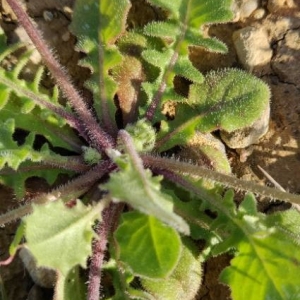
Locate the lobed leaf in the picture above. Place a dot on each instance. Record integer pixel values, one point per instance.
(97, 30)
(12, 154)
(197, 12)
(129, 76)
(181, 30)
(29, 106)
(150, 248)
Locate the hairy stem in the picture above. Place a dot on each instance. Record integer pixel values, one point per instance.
(75, 164)
(68, 163)
(45, 165)
(109, 219)
(99, 138)
(238, 184)
(71, 190)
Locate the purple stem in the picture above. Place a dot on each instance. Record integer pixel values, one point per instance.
(110, 217)
(100, 139)
(75, 164)
(187, 169)
(66, 192)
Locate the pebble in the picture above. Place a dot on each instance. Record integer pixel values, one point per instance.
(259, 13)
(242, 9)
(252, 47)
(248, 136)
(48, 15)
(276, 5)
(66, 36)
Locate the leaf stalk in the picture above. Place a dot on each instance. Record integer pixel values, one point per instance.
(238, 184)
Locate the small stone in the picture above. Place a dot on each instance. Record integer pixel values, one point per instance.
(259, 13)
(245, 137)
(48, 15)
(6, 12)
(20, 35)
(244, 153)
(242, 9)
(252, 47)
(66, 36)
(276, 5)
(248, 7)
(67, 10)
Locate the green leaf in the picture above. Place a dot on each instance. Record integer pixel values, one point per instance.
(4, 95)
(164, 29)
(61, 242)
(212, 44)
(137, 187)
(157, 58)
(288, 222)
(90, 155)
(42, 122)
(266, 267)
(198, 12)
(12, 154)
(143, 135)
(150, 248)
(185, 68)
(30, 105)
(185, 280)
(172, 6)
(98, 24)
(228, 99)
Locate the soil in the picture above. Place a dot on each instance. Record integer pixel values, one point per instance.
(277, 152)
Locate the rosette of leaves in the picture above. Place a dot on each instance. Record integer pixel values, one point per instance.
(122, 198)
